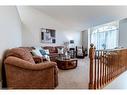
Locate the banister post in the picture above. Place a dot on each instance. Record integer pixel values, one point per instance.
(91, 57)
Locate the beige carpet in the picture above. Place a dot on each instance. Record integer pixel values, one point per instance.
(75, 78)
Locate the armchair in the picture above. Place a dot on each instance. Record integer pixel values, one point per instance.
(23, 73)
(80, 52)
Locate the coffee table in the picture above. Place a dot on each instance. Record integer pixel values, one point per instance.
(66, 64)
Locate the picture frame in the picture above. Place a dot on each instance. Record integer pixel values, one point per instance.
(48, 35)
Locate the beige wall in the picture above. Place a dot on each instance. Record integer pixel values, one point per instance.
(85, 38)
(10, 29)
(33, 20)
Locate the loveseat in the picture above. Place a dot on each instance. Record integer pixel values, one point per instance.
(53, 52)
(23, 73)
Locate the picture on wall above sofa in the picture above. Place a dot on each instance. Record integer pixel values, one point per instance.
(48, 35)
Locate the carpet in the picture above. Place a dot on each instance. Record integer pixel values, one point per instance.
(75, 78)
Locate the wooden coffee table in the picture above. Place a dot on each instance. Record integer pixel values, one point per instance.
(66, 64)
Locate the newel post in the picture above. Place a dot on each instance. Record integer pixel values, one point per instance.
(91, 57)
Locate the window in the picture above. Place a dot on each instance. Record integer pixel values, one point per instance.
(105, 36)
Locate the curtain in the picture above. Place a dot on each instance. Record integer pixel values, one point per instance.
(105, 39)
(111, 39)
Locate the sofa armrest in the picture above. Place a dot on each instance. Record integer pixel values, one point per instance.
(27, 65)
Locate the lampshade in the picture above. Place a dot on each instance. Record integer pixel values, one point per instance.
(71, 41)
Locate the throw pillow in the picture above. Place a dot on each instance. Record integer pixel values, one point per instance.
(43, 52)
(47, 51)
(36, 52)
(47, 57)
(79, 52)
(60, 50)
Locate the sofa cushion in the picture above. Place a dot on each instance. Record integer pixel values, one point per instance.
(20, 53)
(54, 54)
(79, 52)
(38, 59)
(53, 50)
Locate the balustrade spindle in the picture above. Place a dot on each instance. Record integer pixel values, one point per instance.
(110, 68)
(103, 69)
(95, 81)
(98, 67)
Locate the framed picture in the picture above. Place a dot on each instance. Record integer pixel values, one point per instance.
(48, 35)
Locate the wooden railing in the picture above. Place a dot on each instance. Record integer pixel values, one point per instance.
(105, 65)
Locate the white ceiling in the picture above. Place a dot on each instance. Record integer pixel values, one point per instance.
(83, 17)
